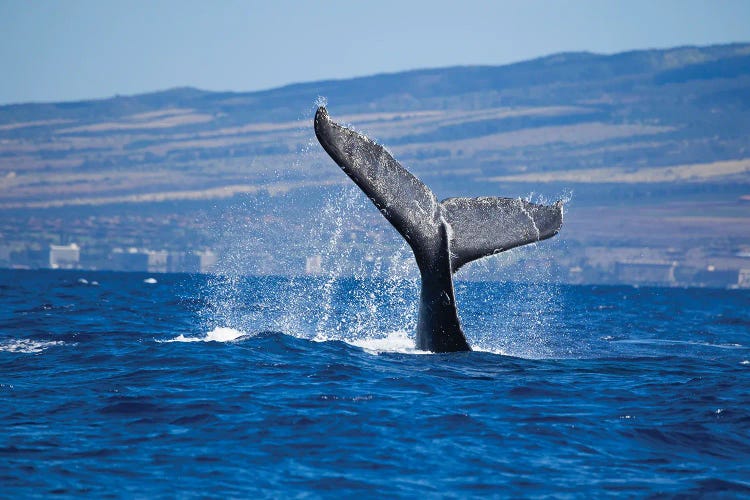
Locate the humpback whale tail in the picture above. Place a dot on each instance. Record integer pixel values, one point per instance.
(444, 235)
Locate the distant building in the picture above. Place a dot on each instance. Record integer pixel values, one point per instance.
(64, 256)
(157, 261)
(314, 264)
(153, 261)
(646, 273)
(207, 261)
(743, 279)
(183, 262)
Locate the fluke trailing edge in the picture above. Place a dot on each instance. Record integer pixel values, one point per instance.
(444, 235)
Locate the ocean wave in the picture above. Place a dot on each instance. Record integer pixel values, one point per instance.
(400, 342)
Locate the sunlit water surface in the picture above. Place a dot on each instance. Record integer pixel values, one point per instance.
(194, 386)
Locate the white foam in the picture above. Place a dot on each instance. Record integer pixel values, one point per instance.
(398, 341)
(219, 334)
(150, 281)
(395, 342)
(493, 350)
(26, 346)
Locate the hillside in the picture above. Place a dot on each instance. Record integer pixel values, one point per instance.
(664, 130)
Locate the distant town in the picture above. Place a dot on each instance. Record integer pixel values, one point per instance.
(136, 259)
(364, 247)
(650, 149)
(638, 271)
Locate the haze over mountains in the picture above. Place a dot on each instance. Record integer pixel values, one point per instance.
(653, 145)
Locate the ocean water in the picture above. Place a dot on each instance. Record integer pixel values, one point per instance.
(131, 385)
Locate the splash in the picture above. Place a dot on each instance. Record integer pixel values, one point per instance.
(402, 342)
(362, 280)
(332, 213)
(517, 316)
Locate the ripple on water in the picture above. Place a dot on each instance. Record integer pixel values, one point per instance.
(28, 346)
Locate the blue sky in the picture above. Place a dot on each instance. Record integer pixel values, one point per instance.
(76, 49)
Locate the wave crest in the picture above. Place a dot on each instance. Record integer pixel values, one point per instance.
(219, 334)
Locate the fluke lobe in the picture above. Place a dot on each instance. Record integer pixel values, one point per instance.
(444, 235)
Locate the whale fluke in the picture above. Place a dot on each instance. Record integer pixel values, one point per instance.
(486, 226)
(443, 235)
(404, 200)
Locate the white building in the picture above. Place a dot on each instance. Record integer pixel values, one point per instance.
(64, 256)
(157, 261)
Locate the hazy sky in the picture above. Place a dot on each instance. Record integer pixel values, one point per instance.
(75, 49)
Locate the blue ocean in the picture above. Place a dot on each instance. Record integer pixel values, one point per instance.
(138, 385)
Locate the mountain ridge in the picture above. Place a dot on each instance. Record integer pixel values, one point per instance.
(623, 62)
(654, 143)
